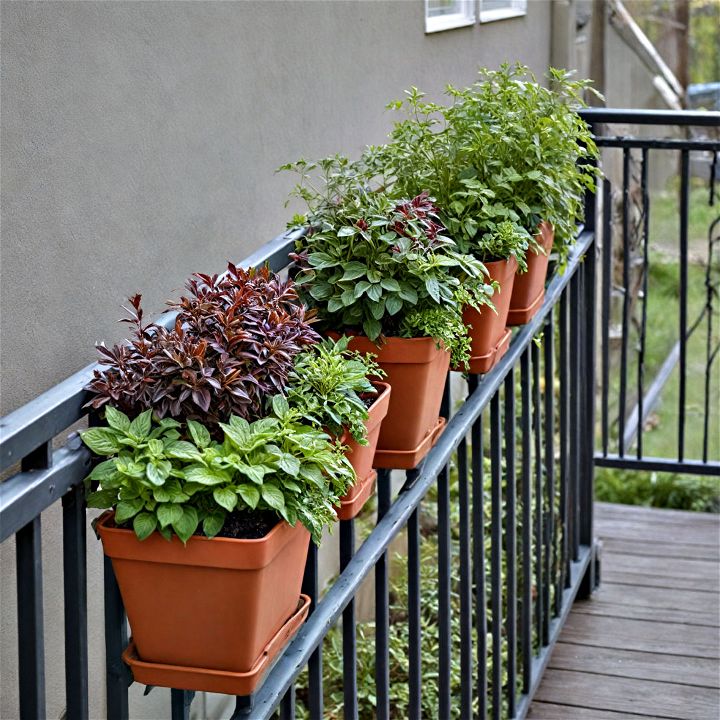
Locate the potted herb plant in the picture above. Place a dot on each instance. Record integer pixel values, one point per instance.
(216, 484)
(382, 269)
(329, 387)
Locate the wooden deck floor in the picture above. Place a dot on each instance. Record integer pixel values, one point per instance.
(647, 644)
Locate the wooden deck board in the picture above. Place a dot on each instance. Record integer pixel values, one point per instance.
(647, 644)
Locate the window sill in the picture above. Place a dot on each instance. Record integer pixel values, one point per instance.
(501, 14)
(448, 22)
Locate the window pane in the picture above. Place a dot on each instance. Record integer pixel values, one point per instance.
(438, 8)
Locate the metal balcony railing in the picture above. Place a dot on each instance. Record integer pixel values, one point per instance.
(509, 486)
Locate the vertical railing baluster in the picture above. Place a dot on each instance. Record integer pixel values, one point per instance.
(287, 705)
(496, 532)
(539, 509)
(382, 611)
(116, 640)
(75, 605)
(31, 642)
(607, 282)
(626, 302)
(510, 540)
(684, 212)
(311, 588)
(414, 627)
(478, 551)
(526, 482)
(576, 410)
(549, 420)
(466, 664)
(180, 701)
(643, 319)
(565, 373)
(347, 550)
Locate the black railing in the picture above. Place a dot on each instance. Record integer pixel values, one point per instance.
(500, 510)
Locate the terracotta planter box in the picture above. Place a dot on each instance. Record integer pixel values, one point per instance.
(488, 335)
(529, 289)
(415, 370)
(213, 603)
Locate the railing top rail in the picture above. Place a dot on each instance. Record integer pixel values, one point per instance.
(685, 118)
(47, 415)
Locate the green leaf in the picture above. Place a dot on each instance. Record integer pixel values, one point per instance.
(128, 508)
(348, 296)
(280, 405)
(346, 231)
(225, 498)
(250, 495)
(273, 496)
(102, 499)
(158, 472)
(168, 513)
(116, 419)
(375, 292)
(372, 328)
(353, 270)
(320, 260)
(187, 524)
(106, 470)
(206, 476)
(360, 288)
(144, 525)
(390, 284)
(407, 293)
(321, 291)
(141, 425)
(334, 304)
(199, 433)
(313, 474)
(290, 464)
(393, 304)
(156, 447)
(213, 522)
(431, 285)
(254, 472)
(102, 441)
(182, 450)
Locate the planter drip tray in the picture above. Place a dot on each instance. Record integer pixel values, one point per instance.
(519, 316)
(350, 508)
(481, 364)
(408, 459)
(217, 681)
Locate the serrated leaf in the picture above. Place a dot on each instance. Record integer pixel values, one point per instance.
(199, 433)
(144, 525)
(273, 496)
(141, 425)
(226, 498)
(182, 450)
(158, 472)
(116, 419)
(128, 508)
(290, 464)
(250, 495)
(187, 524)
(168, 513)
(206, 476)
(102, 441)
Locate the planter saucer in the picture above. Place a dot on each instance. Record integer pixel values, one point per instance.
(408, 459)
(217, 681)
(519, 316)
(351, 508)
(481, 364)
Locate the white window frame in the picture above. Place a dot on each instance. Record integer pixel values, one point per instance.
(516, 8)
(467, 16)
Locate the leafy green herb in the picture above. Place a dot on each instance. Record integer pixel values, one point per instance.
(161, 482)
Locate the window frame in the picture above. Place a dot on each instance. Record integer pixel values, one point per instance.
(517, 8)
(439, 23)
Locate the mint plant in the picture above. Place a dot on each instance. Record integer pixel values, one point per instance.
(327, 385)
(160, 481)
(379, 263)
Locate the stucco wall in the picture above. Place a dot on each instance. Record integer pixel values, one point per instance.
(139, 142)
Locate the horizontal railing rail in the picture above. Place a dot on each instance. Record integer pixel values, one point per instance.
(506, 491)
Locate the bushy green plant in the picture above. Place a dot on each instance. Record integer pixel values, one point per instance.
(163, 482)
(504, 149)
(370, 261)
(326, 384)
